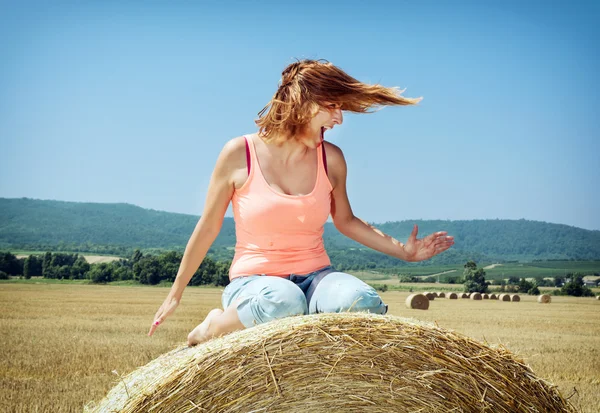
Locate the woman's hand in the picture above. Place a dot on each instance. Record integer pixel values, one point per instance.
(425, 248)
(166, 309)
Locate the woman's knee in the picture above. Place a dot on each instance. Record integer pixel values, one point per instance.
(276, 298)
(339, 292)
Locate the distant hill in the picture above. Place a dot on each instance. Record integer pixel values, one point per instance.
(39, 224)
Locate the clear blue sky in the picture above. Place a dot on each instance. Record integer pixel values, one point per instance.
(112, 101)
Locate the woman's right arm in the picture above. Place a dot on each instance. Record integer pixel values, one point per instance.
(220, 190)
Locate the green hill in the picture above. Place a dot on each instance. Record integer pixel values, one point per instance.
(119, 228)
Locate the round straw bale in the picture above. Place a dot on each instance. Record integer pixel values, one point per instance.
(598, 297)
(452, 296)
(430, 296)
(485, 296)
(475, 296)
(464, 295)
(493, 297)
(441, 295)
(515, 297)
(544, 299)
(417, 302)
(504, 297)
(347, 362)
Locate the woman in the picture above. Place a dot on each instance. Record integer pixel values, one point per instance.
(284, 181)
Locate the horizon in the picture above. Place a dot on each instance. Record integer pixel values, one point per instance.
(329, 221)
(132, 102)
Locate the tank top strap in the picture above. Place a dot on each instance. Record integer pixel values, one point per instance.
(323, 159)
(251, 158)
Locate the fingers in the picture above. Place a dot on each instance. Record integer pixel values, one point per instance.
(413, 234)
(155, 325)
(443, 243)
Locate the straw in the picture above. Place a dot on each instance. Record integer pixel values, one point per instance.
(347, 362)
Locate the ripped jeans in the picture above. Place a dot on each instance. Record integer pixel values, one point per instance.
(264, 298)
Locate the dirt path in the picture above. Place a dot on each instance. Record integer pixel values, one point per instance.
(489, 267)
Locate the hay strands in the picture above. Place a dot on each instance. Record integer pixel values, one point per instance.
(371, 363)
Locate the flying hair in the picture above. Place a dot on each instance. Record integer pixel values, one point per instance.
(307, 86)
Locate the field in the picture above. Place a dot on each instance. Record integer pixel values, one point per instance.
(61, 343)
(91, 259)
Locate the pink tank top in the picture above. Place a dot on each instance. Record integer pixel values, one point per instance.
(279, 234)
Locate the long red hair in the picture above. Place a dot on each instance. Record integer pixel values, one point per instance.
(307, 85)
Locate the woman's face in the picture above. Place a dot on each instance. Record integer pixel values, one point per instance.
(329, 115)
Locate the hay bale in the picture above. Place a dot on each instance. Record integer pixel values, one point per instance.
(515, 298)
(452, 296)
(430, 296)
(348, 362)
(493, 297)
(485, 296)
(475, 296)
(441, 295)
(544, 299)
(464, 295)
(417, 302)
(598, 297)
(504, 297)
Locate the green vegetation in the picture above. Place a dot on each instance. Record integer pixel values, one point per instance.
(575, 287)
(474, 278)
(138, 268)
(119, 229)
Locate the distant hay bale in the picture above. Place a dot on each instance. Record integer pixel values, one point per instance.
(441, 295)
(475, 296)
(348, 362)
(464, 295)
(417, 302)
(485, 296)
(515, 298)
(430, 296)
(598, 297)
(493, 297)
(544, 299)
(452, 296)
(504, 297)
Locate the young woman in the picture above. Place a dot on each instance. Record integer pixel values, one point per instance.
(283, 182)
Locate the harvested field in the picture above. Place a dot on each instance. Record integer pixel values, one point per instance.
(89, 331)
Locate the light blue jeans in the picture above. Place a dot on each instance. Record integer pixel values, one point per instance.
(264, 298)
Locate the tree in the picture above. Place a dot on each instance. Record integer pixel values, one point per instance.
(100, 273)
(32, 266)
(576, 287)
(527, 287)
(474, 278)
(221, 278)
(10, 264)
(147, 270)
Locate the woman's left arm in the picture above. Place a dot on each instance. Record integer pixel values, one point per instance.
(360, 231)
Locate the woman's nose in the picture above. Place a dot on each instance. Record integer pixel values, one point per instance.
(338, 117)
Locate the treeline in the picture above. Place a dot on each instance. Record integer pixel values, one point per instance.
(573, 284)
(145, 269)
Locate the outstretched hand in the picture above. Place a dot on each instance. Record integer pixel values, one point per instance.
(425, 248)
(166, 309)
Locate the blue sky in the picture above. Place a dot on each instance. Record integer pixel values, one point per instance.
(132, 101)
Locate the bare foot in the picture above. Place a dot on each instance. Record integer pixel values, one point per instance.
(200, 333)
